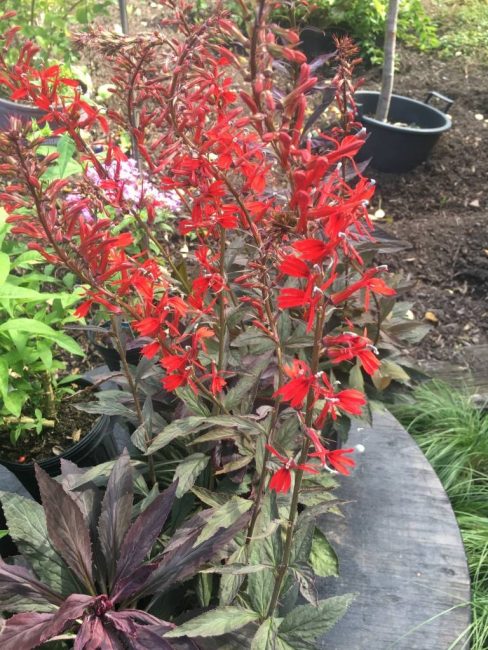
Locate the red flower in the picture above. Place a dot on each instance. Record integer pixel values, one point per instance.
(348, 346)
(371, 284)
(281, 479)
(296, 390)
(340, 461)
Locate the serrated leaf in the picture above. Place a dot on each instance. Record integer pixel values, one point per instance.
(214, 623)
(306, 623)
(142, 535)
(115, 517)
(224, 517)
(21, 591)
(255, 339)
(323, 558)
(66, 527)
(260, 585)
(265, 637)
(188, 470)
(191, 401)
(211, 498)
(242, 395)
(302, 541)
(27, 527)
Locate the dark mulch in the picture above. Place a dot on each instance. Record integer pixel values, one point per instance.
(441, 208)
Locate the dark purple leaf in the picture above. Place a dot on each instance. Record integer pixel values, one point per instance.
(147, 635)
(116, 512)
(66, 527)
(320, 60)
(87, 498)
(93, 636)
(143, 534)
(327, 98)
(24, 631)
(132, 583)
(18, 583)
(186, 559)
(150, 638)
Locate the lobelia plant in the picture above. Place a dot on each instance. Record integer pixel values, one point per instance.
(250, 320)
(88, 561)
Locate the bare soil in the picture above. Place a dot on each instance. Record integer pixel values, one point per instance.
(441, 208)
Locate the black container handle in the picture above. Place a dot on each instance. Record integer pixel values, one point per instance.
(442, 98)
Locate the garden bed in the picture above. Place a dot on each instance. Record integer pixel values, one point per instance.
(441, 208)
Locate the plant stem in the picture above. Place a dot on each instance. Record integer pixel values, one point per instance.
(49, 397)
(285, 560)
(120, 347)
(27, 420)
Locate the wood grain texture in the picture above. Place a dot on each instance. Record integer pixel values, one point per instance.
(399, 549)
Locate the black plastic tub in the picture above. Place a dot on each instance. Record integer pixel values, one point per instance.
(97, 446)
(395, 148)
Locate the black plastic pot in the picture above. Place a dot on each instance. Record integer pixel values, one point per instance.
(399, 149)
(97, 446)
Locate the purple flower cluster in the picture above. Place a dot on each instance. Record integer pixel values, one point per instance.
(128, 180)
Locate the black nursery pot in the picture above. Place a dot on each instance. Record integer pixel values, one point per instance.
(398, 149)
(97, 446)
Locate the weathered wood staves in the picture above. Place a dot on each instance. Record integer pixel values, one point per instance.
(399, 549)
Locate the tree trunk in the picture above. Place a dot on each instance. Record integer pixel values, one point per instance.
(389, 62)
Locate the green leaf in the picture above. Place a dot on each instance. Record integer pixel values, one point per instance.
(196, 406)
(224, 517)
(69, 344)
(305, 624)
(323, 558)
(14, 401)
(29, 325)
(265, 637)
(27, 526)
(356, 379)
(215, 622)
(204, 588)
(255, 339)
(302, 541)
(242, 395)
(3, 377)
(10, 291)
(177, 429)
(260, 585)
(4, 267)
(188, 471)
(211, 498)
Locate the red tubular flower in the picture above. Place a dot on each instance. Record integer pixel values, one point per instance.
(296, 390)
(340, 461)
(368, 282)
(281, 479)
(348, 346)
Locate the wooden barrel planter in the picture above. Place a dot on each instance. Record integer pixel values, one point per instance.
(399, 550)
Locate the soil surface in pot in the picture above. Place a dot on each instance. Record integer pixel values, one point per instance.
(441, 208)
(71, 426)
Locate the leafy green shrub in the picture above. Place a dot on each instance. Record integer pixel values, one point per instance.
(48, 23)
(365, 22)
(34, 306)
